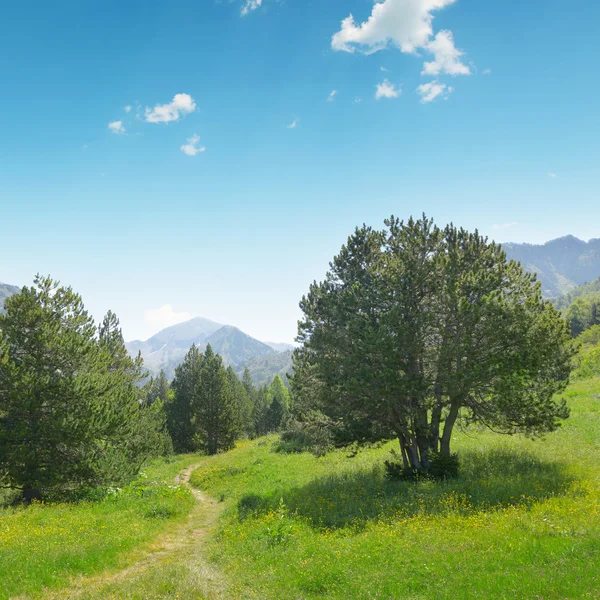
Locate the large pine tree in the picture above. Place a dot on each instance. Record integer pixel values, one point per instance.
(214, 406)
(69, 398)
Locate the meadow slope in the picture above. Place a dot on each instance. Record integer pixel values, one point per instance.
(522, 520)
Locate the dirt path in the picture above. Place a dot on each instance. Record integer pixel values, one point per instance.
(172, 566)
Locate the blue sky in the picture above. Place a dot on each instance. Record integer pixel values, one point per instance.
(203, 199)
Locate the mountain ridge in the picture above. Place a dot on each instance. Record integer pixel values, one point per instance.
(166, 349)
(561, 264)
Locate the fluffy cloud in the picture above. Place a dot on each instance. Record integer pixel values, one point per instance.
(165, 316)
(385, 89)
(430, 91)
(192, 148)
(406, 24)
(293, 124)
(127, 108)
(487, 72)
(181, 104)
(116, 127)
(250, 5)
(446, 57)
(332, 96)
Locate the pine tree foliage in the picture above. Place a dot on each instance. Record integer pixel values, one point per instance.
(179, 410)
(416, 327)
(70, 412)
(214, 406)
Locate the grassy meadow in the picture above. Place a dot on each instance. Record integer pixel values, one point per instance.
(43, 546)
(522, 520)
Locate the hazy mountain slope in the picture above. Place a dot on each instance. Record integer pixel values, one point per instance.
(561, 265)
(6, 291)
(588, 289)
(235, 346)
(264, 368)
(280, 347)
(167, 349)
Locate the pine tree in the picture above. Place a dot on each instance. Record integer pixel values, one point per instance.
(214, 406)
(179, 406)
(278, 400)
(243, 403)
(69, 398)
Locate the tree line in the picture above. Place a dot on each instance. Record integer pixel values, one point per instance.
(414, 330)
(76, 410)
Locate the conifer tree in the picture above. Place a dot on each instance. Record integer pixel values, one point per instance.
(69, 397)
(180, 413)
(243, 403)
(214, 406)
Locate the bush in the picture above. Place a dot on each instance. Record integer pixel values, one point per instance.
(443, 466)
(312, 435)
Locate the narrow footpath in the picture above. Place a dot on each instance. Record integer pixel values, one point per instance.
(173, 566)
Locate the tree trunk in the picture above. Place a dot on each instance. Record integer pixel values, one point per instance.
(30, 494)
(448, 427)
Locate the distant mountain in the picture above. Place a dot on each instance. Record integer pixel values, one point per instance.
(264, 368)
(167, 349)
(561, 265)
(280, 347)
(5, 292)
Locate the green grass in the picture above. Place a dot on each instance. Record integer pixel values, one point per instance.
(43, 546)
(522, 520)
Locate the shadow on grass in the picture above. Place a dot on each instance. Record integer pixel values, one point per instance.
(488, 481)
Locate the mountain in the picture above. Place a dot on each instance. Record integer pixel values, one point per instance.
(561, 265)
(167, 349)
(264, 368)
(281, 347)
(6, 291)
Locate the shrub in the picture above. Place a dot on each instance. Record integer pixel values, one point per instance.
(312, 435)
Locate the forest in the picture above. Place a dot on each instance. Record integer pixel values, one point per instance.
(436, 395)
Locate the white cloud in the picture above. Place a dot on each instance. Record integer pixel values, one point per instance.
(116, 127)
(446, 56)
(250, 6)
(293, 124)
(407, 25)
(165, 316)
(506, 225)
(332, 96)
(385, 89)
(552, 175)
(192, 148)
(383, 69)
(487, 72)
(357, 100)
(127, 108)
(181, 104)
(430, 91)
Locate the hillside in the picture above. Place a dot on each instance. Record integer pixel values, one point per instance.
(561, 264)
(6, 291)
(264, 368)
(168, 347)
(588, 289)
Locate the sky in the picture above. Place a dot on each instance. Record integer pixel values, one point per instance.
(204, 158)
